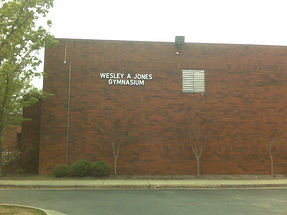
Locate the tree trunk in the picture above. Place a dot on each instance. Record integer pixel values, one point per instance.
(1, 169)
(1, 140)
(115, 165)
(198, 168)
(271, 163)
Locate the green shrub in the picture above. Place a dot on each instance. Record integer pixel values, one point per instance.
(80, 168)
(100, 169)
(61, 171)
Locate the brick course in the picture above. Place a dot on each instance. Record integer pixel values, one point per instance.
(245, 91)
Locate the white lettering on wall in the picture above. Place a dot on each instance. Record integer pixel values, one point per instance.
(112, 75)
(120, 79)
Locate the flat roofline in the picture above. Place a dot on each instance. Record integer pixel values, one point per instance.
(167, 42)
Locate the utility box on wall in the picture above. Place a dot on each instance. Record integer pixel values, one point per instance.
(241, 86)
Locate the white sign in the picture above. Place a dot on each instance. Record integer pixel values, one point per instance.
(122, 79)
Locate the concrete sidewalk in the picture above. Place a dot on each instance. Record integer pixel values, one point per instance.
(140, 184)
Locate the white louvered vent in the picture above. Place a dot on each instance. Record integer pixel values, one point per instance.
(193, 81)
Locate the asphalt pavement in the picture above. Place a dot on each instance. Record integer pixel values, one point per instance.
(137, 184)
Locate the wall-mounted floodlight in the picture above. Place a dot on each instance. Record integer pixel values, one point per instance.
(179, 40)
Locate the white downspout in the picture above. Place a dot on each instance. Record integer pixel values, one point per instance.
(68, 119)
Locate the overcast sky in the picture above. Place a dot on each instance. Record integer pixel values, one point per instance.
(200, 21)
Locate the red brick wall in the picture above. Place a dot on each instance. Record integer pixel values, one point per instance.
(12, 137)
(245, 91)
(31, 138)
(11, 134)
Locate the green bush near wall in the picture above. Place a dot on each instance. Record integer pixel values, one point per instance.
(100, 169)
(80, 168)
(61, 171)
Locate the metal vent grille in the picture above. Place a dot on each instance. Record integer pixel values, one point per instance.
(193, 81)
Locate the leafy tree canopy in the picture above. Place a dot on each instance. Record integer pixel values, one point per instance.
(20, 41)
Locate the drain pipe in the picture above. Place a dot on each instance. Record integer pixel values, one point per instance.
(68, 119)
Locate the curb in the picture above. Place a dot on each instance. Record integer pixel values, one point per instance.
(143, 186)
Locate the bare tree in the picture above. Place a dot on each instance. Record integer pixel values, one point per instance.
(196, 129)
(269, 141)
(118, 134)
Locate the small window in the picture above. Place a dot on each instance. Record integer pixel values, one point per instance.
(193, 81)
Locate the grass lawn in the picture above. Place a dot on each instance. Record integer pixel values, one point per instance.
(17, 210)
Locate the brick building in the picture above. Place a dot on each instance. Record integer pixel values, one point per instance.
(11, 135)
(153, 84)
